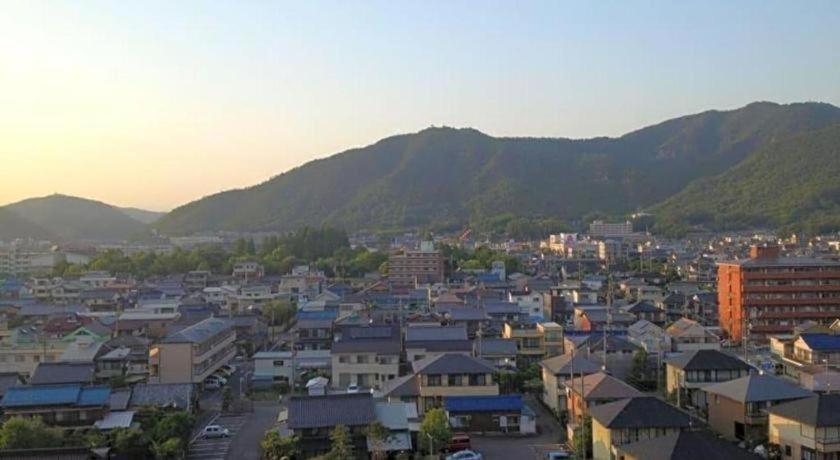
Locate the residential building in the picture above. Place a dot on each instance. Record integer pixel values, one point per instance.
(603, 229)
(649, 336)
(807, 428)
(193, 353)
(424, 341)
(631, 420)
(413, 267)
(272, 367)
(178, 396)
(313, 417)
(493, 414)
(771, 294)
(585, 393)
(737, 409)
(687, 335)
(366, 356)
(314, 331)
(248, 271)
(72, 405)
(688, 373)
(501, 352)
(555, 371)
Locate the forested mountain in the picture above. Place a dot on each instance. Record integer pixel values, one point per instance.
(142, 215)
(454, 176)
(71, 219)
(13, 226)
(793, 183)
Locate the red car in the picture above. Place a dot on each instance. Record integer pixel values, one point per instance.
(459, 442)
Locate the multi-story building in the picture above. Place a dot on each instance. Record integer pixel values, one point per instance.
(366, 356)
(689, 372)
(606, 229)
(534, 342)
(556, 371)
(767, 293)
(424, 266)
(193, 353)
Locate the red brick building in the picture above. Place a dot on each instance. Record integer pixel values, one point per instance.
(772, 294)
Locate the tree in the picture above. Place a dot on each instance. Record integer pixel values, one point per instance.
(435, 432)
(170, 449)
(342, 444)
(378, 436)
(28, 433)
(176, 425)
(582, 438)
(227, 398)
(276, 447)
(131, 443)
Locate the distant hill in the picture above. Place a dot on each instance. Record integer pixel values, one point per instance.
(142, 215)
(13, 227)
(793, 183)
(74, 219)
(445, 175)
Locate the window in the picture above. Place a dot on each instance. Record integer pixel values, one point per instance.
(19, 358)
(36, 358)
(456, 380)
(279, 362)
(344, 359)
(433, 380)
(477, 380)
(362, 359)
(788, 451)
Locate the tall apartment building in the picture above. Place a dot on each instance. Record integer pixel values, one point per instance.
(193, 353)
(607, 229)
(772, 294)
(416, 267)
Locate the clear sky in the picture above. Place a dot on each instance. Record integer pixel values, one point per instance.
(154, 104)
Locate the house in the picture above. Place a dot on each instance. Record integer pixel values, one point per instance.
(60, 373)
(631, 420)
(535, 341)
(555, 371)
(313, 417)
(737, 408)
(687, 373)
(530, 303)
(646, 310)
(397, 418)
(314, 330)
(129, 357)
(474, 319)
(436, 377)
(366, 356)
(494, 414)
(618, 359)
(424, 341)
(63, 405)
(598, 318)
(687, 335)
(684, 445)
(193, 353)
(272, 367)
(649, 337)
(584, 393)
(501, 352)
(317, 386)
(9, 380)
(806, 428)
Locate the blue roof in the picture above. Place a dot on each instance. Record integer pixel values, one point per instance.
(483, 403)
(55, 395)
(822, 342)
(320, 314)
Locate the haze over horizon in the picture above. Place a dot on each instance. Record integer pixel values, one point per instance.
(153, 105)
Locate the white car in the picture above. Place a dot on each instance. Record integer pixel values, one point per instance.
(212, 384)
(215, 431)
(217, 378)
(465, 455)
(229, 368)
(353, 388)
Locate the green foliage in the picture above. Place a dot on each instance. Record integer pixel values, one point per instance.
(378, 435)
(522, 380)
(279, 312)
(276, 447)
(481, 258)
(790, 185)
(435, 425)
(172, 448)
(227, 398)
(454, 177)
(582, 438)
(130, 442)
(341, 444)
(29, 433)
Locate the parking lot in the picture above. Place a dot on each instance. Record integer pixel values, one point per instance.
(217, 448)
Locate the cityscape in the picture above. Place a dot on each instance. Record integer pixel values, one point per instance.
(417, 230)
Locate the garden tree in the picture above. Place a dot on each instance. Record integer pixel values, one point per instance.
(435, 432)
(341, 446)
(279, 312)
(582, 438)
(177, 425)
(227, 398)
(130, 443)
(636, 376)
(522, 380)
(378, 436)
(172, 448)
(29, 433)
(276, 447)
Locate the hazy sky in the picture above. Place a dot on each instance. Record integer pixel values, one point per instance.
(153, 104)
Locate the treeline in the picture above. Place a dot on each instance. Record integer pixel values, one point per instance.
(456, 258)
(326, 248)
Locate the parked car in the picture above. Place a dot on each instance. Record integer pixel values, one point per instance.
(229, 368)
(215, 431)
(558, 455)
(353, 388)
(459, 441)
(212, 384)
(221, 381)
(465, 455)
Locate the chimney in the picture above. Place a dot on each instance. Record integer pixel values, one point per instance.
(765, 251)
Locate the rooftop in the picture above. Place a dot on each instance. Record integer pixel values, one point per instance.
(686, 445)
(707, 360)
(758, 388)
(55, 395)
(498, 403)
(822, 410)
(602, 386)
(199, 332)
(453, 363)
(330, 410)
(640, 412)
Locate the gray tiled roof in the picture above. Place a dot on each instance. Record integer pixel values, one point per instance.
(822, 410)
(565, 364)
(179, 395)
(424, 333)
(640, 412)
(758, 388)
(453, 363)
(200, 331)
(8, 380)
(58, 373)
(331, 410)
(707, 360)
(686, 445)
(495, 346)
(370, 339)
(401, 386)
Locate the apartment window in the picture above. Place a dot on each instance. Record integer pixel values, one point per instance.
(456, 380)
(36, 358)
(344, 359)
(362, 359)
(478, 380)
(788, 451)
(19, 358)
(807, 453)
(279, 362)
(433, 380)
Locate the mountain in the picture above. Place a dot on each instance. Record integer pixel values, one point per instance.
(454, 176)
(793, 183)
(142, 215)
(13, 227)
(73, 219)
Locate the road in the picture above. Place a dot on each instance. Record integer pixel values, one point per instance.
(551, 435)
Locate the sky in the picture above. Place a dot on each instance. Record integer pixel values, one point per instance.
(155, 104)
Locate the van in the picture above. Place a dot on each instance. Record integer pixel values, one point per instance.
(459, 441)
